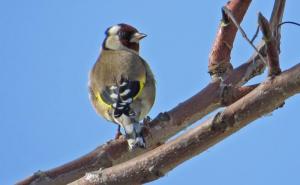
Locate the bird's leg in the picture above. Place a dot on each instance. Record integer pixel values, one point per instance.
(133, 130)
(134, 135)
(140, 141)
(118, 134)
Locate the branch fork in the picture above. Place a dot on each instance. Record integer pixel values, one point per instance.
(243, 104)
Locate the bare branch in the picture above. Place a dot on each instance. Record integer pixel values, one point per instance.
(161, 128)
(219, 59)
(154, 164)
(276, 17)
(271, 45)
(233, 19)
(231, 94)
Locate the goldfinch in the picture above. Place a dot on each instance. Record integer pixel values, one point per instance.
(121, 83)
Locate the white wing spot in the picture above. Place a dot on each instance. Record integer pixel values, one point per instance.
(129, 100)
(123, 84)
(125, 92)
(113, 87)
(114, 96)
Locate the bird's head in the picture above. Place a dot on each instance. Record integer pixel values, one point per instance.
(122, 37)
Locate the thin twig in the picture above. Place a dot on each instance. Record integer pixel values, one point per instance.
(281, 24)
(219, 65)
(116, 151)
(255, 34)
(229, 14)
(289, 22)
(155, 164)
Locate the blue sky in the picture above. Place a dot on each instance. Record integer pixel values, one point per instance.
(48, 47)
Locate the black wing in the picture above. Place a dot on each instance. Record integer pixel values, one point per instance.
(121, 96)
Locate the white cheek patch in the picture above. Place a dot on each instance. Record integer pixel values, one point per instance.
(113, 42)
(114, 30)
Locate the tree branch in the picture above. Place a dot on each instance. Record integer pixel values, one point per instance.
(271, 46)
(161, 128)
(154, 164)
(231, 94)
(219, 60)
(235, 22)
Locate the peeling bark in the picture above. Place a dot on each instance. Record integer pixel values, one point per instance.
(219, 60)
(216, 94)
(152, 165)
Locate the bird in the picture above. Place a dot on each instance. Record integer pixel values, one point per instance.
(121, 84)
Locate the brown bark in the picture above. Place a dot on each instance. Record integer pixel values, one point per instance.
(219, 60)
(166, 125)
(154, 164)
(271, 46)
(160, 129)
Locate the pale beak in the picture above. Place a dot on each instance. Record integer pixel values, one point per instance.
(137, 37)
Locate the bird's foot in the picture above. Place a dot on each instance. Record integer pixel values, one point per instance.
(136, 139)
(138, 142)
